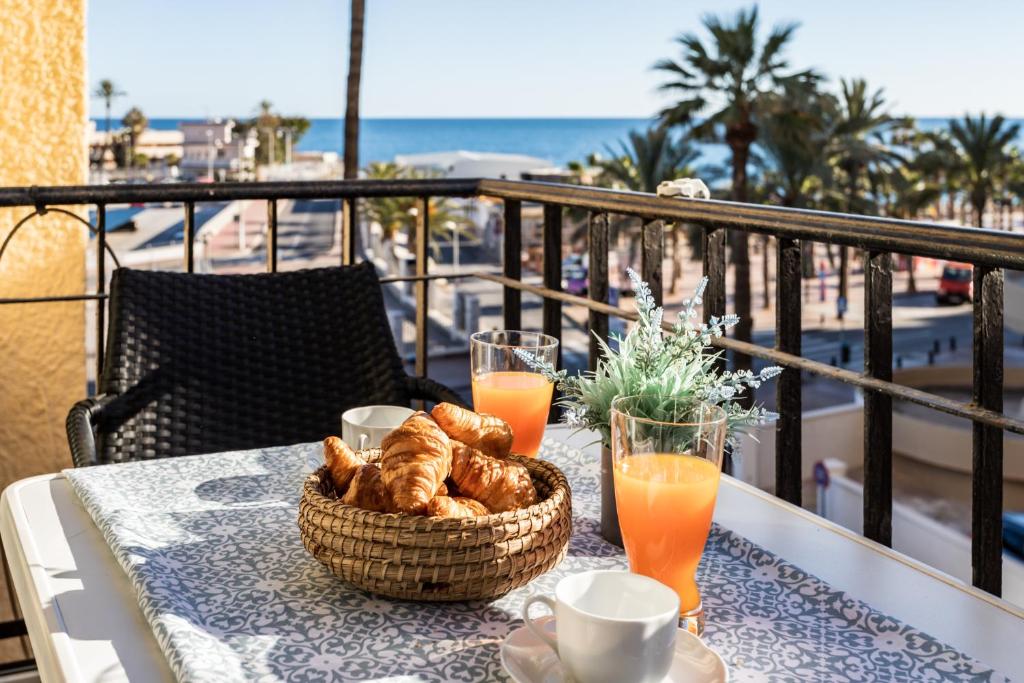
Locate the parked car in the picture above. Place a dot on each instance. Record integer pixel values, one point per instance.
(574, 275)
(955, 284)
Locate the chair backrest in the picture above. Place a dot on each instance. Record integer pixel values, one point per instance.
(202, 363)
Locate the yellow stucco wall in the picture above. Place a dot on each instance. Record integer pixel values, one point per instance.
(43, 108)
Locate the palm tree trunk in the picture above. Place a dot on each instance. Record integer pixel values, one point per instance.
(911, 280)
(978, 204)
(106, 145)
(355, 66)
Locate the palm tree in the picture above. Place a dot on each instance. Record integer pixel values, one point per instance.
(859, 150)
(1014, 179)
(108, 92)
(935, 156)
(398, 214)
(735, 71)
(791, 139)
(135, 121)
(910, 191)
(641, 163)
(355, 66)
(982, 145)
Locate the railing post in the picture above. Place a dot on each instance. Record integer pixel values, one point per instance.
(788, 397)
(713, 243)
(190, 236)
(652, 257)
(348, 231)
(512, 263)
(878, 406)
(422, 301)
(597, 282)
(552, 308)
(987, 466)
(101, 287)
(271, 235)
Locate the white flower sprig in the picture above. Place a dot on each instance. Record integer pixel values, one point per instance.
(648, 361)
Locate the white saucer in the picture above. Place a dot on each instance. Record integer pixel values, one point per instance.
(528, 660)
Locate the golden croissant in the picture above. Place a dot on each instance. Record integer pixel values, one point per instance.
(367, 490)
(455, 506)
(486, 433)
(499, 484)
(416, 459)
(342, 462)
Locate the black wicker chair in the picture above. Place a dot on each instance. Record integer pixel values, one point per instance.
(203, 363)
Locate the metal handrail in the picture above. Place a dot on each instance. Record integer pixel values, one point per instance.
(989, 251)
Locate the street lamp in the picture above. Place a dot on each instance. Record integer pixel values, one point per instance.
(454, 229)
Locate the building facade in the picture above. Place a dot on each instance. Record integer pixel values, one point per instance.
(212, 150)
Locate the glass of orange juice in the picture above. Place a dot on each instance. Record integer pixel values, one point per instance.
(505, 386)
(667, 456)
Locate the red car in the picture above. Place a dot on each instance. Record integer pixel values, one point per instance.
(955, 284)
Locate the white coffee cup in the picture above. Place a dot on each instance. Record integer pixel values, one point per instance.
(611, 626)
(367, 426)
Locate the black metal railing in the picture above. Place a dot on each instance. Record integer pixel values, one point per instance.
(988, 251)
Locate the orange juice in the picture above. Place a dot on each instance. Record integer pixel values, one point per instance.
(665, 504)
(520, 398)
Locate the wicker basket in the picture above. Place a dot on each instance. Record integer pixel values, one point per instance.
(438, 559)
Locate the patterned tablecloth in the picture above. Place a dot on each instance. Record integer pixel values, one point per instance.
(211, 545)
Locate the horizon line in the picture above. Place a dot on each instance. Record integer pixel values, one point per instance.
(508, 118)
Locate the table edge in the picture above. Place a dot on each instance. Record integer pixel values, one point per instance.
(906, 560)
(54, 660)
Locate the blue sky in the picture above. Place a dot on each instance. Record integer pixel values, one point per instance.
(494, 58)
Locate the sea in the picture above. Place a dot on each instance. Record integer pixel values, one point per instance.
(557, 140)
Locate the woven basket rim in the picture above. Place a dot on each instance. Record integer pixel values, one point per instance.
(414, 557)
(421, 523)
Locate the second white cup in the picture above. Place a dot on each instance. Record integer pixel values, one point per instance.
(366, 427)
(611, 626)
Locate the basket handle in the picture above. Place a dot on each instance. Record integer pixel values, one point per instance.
(535, 628)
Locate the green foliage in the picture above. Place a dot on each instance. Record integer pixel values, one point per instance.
(648, 362)
(646, 159)
(272, 132)
(134, 122)
(859, 148)
(724, 82)
(108, 92)
(398, 214)
(982, 145)
(793, 134)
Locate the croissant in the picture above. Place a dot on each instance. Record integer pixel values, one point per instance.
(342, 462)
(455, 506)
(367, 490)
(416, 459)
(486, 433)
(499, 484)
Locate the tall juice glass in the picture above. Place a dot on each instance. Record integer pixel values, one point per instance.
(504, 385)
(667, 456)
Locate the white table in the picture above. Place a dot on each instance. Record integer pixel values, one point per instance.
(85, 624)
